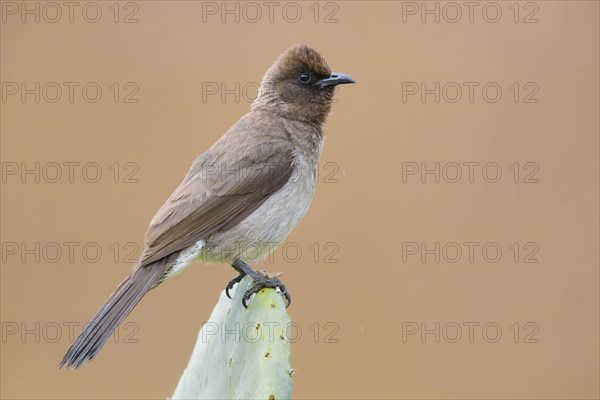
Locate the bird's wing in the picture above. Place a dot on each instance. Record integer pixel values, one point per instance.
(216, 196)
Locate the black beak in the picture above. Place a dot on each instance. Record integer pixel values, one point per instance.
(336, 78)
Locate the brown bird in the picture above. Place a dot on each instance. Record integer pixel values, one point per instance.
(240, 199)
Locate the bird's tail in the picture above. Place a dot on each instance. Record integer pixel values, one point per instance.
(115, 309)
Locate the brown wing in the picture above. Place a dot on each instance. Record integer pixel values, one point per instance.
(223, 187)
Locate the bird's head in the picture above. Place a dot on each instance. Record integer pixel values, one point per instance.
(299, 85)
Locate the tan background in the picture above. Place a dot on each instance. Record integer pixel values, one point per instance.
(370, 294)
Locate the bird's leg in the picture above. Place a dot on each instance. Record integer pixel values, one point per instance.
(261, 280)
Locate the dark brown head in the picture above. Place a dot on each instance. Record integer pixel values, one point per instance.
(299, 85)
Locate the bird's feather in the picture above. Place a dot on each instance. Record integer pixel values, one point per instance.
(217, 194)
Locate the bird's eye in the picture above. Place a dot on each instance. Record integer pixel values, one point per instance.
(304, 78)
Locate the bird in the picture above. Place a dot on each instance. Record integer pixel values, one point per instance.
(242, 196)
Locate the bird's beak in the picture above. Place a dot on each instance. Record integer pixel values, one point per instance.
(336, 78)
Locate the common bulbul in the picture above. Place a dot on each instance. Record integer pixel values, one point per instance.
(248, 191)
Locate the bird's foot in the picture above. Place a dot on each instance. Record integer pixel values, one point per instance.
(232, 282)
(263, 280)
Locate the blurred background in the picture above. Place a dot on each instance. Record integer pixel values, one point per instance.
(451, 250)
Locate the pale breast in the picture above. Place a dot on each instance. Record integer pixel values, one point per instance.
(262, 231)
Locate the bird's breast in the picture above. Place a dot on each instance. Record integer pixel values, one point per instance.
(262, 231)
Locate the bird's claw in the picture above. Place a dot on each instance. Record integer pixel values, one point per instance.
(267, 280)
(232, 282)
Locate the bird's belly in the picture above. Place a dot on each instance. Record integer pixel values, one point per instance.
(262, 231)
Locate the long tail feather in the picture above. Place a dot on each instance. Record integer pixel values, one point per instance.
(113, 312)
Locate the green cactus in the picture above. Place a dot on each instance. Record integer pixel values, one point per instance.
(241, 353)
